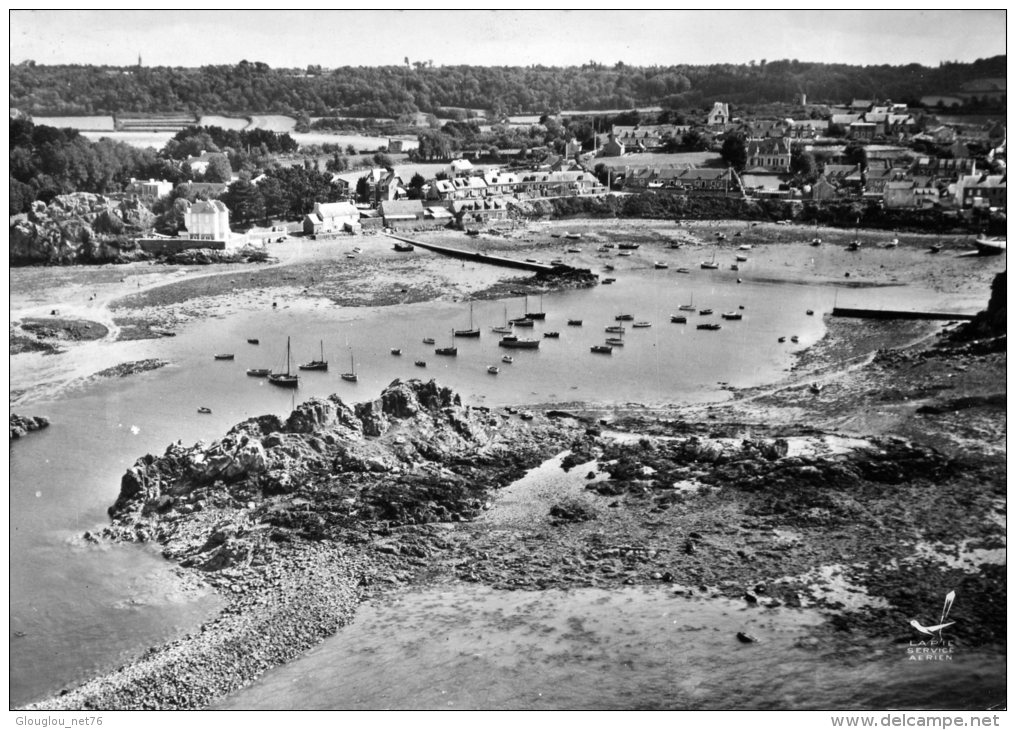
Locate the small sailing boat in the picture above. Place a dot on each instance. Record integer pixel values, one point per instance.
(351, 375)
(506, 328)
(525, 320)
(710, 264)
(690, 306)
(451, 351)
(535, 315)
(287, 379)
(321, 364)
(471, 332)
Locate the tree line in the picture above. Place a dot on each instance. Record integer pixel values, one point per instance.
(395, 91)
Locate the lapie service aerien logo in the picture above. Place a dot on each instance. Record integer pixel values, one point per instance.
(933, 646)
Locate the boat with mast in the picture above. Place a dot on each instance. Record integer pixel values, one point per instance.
(287, 379)
(710, 264)
(535, 315)
(506, 328)
(351, 375)
(690, 306)
(471, 332)
(523, 321)
(321, 364)
(451, 351)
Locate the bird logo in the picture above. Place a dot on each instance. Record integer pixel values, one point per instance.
(942, 623)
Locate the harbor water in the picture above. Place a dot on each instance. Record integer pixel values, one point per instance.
(78, 608)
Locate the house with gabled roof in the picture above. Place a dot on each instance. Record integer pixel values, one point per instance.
(331, 218)
(719, 115)
(772, 154)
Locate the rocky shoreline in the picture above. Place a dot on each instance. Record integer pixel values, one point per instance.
(23, 425)
(295, 521)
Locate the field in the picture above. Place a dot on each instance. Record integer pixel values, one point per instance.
(213, 120)
(97, 122)
(660, 159)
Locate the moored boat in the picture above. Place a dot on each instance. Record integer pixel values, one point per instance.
(614, 328)
(678, 319)
(990, 246)
(428, 340)
(253, 341)
(660, 265)
(601, 349)
(615, 341)
(683, 270)
(420, 363)
(624, 318)
(513, 342)
(258, 372)
(223, 356)
(471, 332)
(628, 246)
(708, 326)
(705, 312)
(493, 369)
(450, 351)
(609, 280)
(204, 409)
(395, 351)
(552, 334)
(287, 379)
(351, 375)
(321, 364)
(642, 325)
(535, 315)
(508, 359)
(794, 338)
(732, 315)
(574, 322)
(403, 247)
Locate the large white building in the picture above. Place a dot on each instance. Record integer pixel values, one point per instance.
(207, 220)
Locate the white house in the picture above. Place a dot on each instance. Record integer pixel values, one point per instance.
(719, 116)
(207, 220)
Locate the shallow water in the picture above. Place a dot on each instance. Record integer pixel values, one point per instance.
(79, 609)
(469, 647)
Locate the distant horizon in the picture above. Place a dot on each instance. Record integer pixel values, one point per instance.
(506, 38)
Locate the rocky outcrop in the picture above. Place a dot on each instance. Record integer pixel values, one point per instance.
(22, 425)
(412, 446)
(78, 228)
(991, 321)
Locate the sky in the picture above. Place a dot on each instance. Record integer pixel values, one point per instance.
(333, 38)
